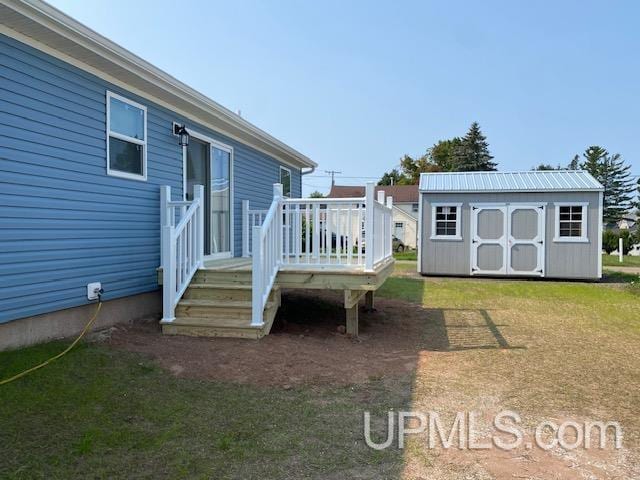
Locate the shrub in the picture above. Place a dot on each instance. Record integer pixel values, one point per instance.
(609, 241)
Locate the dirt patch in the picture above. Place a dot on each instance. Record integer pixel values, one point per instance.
(304, 347)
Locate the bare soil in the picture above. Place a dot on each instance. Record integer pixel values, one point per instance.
(305, 345)
(444, 350)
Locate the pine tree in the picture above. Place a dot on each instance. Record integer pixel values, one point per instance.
(614, 175)
(574, 164)
(546, 166)
(593, 160)
(472, 155)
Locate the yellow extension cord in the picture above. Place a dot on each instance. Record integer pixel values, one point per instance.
(47, 362)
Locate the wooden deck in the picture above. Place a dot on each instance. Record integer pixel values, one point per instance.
(218, 300)
(323, 276)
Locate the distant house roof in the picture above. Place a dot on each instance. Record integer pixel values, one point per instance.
(400, 193)
(531, 181)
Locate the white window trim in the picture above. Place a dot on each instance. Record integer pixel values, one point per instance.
(126, 138)
(290, 180)
(582, 239)
(458, 236)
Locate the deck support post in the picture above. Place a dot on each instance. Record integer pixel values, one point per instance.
(351, 300)
(352, 320)
(368, 301)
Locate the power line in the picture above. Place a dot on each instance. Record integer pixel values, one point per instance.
(340, 176)
(332, 173)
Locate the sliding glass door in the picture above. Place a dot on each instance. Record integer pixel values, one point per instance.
(220, 203)
(209, 164)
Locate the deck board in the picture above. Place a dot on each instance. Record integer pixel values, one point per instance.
(320, 276)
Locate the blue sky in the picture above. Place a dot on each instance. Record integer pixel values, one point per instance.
(355, 85)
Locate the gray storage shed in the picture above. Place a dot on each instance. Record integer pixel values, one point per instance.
(531, 224)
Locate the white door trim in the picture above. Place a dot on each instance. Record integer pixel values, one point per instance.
(228, 148)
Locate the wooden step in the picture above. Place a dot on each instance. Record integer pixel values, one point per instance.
(222, 276)
(217, 303)
(209, 326)
(218, 291)
(237, 309)
(222, 291)
(175, 328)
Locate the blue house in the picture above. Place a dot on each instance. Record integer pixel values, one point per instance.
(108, 164)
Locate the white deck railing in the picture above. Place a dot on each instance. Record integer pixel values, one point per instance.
(305, 233)
(331, 232)
(181, 246)
(250, 218)
(267, 253)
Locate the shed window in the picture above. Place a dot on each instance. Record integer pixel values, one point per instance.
(285, 180)
(126, 138)
(446, 222)
(571, 222)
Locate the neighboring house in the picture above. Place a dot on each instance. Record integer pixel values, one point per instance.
(536, 223)
(405, 207)
(628, 222)
(106, 161)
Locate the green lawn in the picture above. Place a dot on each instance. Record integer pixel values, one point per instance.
(102, 413)
(627, 261)
(543, 349)
(406, 255)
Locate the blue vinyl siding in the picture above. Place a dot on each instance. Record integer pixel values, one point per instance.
(63, 221)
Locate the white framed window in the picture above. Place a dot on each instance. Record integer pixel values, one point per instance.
(415, 207)
(285, 180)
(445, 221)
(126, 138)
(571, 222)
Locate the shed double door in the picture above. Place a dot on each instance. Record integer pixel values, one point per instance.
(507, 239)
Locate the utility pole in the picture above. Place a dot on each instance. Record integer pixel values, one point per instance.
(332, 173)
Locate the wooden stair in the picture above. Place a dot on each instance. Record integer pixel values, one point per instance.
(217, 303)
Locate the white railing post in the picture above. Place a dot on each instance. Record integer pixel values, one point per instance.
(245, 228)
(168, 274)
(389, 228)
(198, 196)
(165, 197)
(277, 196)
(368, 227)
(256, 277)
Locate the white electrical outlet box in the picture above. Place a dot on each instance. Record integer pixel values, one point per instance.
(93, 289)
